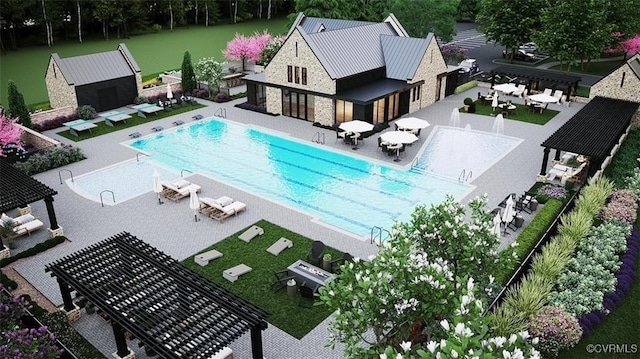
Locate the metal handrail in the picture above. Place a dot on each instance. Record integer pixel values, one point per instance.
(222, 112)
(138, 156)
(60, 176)
(379, 234)
(113, 196)
(462, 174)
(318, 138)
(469, 176)
(414, 163)
(184, 170)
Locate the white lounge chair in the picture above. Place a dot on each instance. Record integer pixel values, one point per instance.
(558, 94)
(564, 172)
(520, 91)
(209, 205)
(548, 91)
(225, 212)
(251, 233)
(280, 246)
(24, 224)
(178, 189)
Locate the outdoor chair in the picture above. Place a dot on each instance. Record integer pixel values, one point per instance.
(558, 94)
(307, 296)
(337, 263)
(282, 277)
(340, 135)
(314, 256)
(548, 91)
(520, 91)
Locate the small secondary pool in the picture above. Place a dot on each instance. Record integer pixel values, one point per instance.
(350, 193)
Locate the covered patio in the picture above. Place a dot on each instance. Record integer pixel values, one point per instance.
(596, 132)
(172, 311)
(536, 79)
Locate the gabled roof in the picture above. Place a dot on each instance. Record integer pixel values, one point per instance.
(92, 68)
(349, 51)
(402, 55)
(595, 129)
(634, 64)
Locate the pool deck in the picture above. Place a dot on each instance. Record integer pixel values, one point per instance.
(170, 227)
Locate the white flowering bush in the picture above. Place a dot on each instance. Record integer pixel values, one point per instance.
(590, 274)
(467, 334)
(633, 181)
(410, 285)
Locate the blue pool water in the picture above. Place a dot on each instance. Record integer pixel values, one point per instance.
(350, 193)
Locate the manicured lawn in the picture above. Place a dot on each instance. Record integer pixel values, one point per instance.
(521, 114)
(154, 53)
(133, 121)
(255, 286)
(594, 68)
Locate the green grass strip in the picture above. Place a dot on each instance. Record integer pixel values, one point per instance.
(255, 286)
(521, 114)
(135, 120)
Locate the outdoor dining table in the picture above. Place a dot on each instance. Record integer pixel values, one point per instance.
(507, 107)
(543, 98)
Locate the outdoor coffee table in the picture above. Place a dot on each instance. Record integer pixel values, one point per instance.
(233, 273)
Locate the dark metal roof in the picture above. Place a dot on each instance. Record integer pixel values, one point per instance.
(18, 190)
(92, 68)
(634, 64)
(314, 24)
(537, 74)
(173, 311)
(350, 51)
(402, 55)
(595, 129)
(373, 91)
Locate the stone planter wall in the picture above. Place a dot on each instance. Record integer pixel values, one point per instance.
(36, 139)
(42, 116)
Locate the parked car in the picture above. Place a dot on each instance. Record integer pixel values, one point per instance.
(520, 55)
(469, 65)
(530, 47)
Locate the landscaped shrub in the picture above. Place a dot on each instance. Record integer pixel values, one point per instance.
(555, 330)
(625, 160)
(53, 157)
(554, 257)
(200, 93)
(622, 206)
(548, 191)
(222, 97)
(594, 196)
(54, 123)
(464, 87)
(633, 181)
(468, 101)
(38, 248)
(67, 335)
(140, 100)
(86, 112)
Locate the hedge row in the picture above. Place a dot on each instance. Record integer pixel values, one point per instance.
(38, 248)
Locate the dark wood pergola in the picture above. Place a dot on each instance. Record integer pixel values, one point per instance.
(531, 77)
(173, 311)
(593, 131)
(18, 190)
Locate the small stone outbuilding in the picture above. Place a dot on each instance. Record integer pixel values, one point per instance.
(104, 80)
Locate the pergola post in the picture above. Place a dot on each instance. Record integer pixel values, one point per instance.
(122, 350)
(65, 292)
(557, 157)
(55, 229)
(545, 160)
(256, 342)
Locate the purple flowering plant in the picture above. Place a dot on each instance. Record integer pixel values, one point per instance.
(552, 191)
(555, 330)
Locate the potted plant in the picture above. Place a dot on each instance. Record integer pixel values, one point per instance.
(90, 307)
(326, 262)
(7, 232)
(467, 103)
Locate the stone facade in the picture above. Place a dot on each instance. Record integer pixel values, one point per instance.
(39, 117)
(36, 139)
(296, 52)
(612, 86)
(60, 93)
(431, 65)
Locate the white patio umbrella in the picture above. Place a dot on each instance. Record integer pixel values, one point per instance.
(543, 98)
(497, 221)
(356, 126)
(494, 102)
(397, 138)
(506, 88)
(455, 118)
(169, 92)
(412, 123)
(194, 203)
(508, 213)
(157, 186)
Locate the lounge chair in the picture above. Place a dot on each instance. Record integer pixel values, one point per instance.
(232, 274)
(178, 190)
(135, 134)
(280, 245)
(558, 94)
(520, 91)
(209, 205)
(225, 212)
(178, 122)
(251, 233)
(24, 224)
(548, 91)
(314, 256)
(564, 172)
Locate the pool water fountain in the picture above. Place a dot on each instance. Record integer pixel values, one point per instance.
(454, 121)
(498, 125)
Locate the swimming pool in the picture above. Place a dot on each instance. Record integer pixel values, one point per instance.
(347, 192)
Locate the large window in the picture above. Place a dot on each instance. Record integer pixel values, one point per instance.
(298, 105)
(394, 105)
(290, 73)
(261, 95)
(378, 111)
(344, 111)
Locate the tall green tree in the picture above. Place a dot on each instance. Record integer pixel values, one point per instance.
(625, 17)
(508, 22)
(468, 10)
(420, 17)
(17, 108)
(188, 75)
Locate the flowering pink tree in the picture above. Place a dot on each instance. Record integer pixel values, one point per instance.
(9, 133)
(630, 46)
(242, 48)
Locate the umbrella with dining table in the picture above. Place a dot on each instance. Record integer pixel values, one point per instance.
(356, 127)
(412, 124)
(396, 139)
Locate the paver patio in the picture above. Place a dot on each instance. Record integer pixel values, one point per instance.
(170, 227)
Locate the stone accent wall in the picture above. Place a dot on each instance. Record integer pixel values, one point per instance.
(431, 65)
(139, 82)
(610, 87)
(36, 139)
(274, 100)
(60, 93)
(324, 110)
(39, 117)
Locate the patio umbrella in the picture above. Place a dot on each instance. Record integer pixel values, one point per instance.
(157, 186)
(455, 118)
(494, 102)
(194, 203)
(169, 92)
(506, 88)
(508, 214)
(543, 98)
(497, 221)
(412, 123)
(397, 138)
(356, 126)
